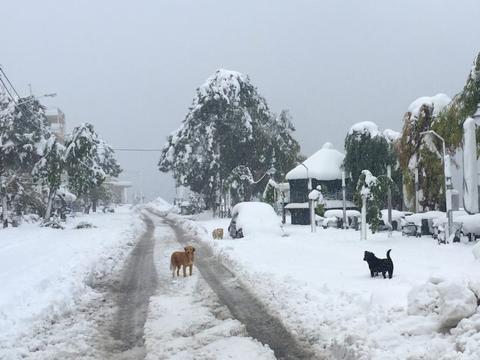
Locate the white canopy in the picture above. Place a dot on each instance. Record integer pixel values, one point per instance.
(325, 164)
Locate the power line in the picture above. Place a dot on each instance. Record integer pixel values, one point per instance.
(6, 89)
(9, 82)
(128, 149)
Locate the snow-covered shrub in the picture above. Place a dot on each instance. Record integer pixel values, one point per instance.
(54, 222)
(85, 225)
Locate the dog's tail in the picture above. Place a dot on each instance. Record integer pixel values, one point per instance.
(388, 254)
(171, 264)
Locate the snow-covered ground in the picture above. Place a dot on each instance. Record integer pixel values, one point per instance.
(319, 285)
(185, 320)
(45, 275)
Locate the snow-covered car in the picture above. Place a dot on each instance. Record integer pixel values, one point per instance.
(411, 229)
(249, 218)
(470, 225)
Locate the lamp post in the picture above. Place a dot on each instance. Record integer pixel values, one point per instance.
(448, 182)
(389, 200)
(344, 201)
(310, 201)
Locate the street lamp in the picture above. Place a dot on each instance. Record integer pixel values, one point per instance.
(310, 201)
(448, 181)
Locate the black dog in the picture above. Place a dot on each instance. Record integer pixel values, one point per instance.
(377, 265)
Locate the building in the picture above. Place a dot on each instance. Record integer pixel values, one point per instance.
(56, 120)
(119, 189)
(323, 168)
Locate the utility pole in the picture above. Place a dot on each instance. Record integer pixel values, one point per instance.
(363, 233)
(345, 223)
(389, 200)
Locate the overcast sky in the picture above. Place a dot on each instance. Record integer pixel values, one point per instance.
(131, 67)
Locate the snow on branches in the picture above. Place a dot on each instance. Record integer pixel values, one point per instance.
(228, 125)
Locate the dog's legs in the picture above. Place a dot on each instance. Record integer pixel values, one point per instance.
(178, 271)
(383, 273)
(190, 266)
(184, 268)
(372, 273)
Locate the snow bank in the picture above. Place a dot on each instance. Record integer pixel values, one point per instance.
(325, 164)
(446, 301)
(438, 102)
(44, 271)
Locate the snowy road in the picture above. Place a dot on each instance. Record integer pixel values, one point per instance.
(243, 305)
(131, 295)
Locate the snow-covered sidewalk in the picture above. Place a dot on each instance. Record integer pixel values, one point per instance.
(44, 272)
(319, 285)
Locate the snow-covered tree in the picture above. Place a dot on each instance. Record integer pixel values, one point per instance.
(366, 148)
(449, 122)
(110, 166)
(89, 160)
(23, 129)
(372, 188)
(82, 162)
(229, 124)
(422, 153)
(49, 169)
(240, 184)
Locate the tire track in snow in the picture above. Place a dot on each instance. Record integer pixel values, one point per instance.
(243, 305)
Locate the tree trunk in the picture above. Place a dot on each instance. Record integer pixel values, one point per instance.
(4, 209)
(51, 196)
(94, 204)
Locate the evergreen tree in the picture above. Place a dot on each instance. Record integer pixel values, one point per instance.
(49, 169)
(23, 128)
(229, 124)
(111, 168)
(368, 149)
(82, 161)
(240, 184)
(89, 160)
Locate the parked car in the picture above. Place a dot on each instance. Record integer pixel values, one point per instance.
(410, 229)
(249, 218)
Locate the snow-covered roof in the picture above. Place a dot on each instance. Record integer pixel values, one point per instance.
(338, 204)
(338, 213)
(325, 164)
(303, 205)
(438, 102)
(120, 183)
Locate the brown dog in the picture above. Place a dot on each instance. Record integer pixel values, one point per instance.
(182, 259)
(217, 233)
